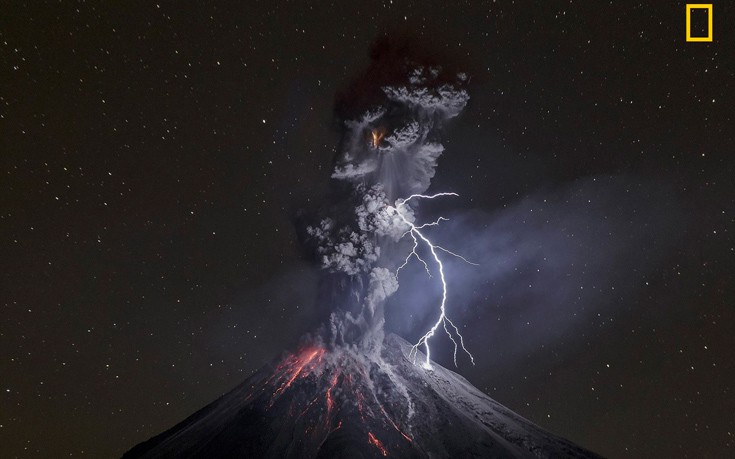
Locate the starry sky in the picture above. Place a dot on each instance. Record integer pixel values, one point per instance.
(154, 156)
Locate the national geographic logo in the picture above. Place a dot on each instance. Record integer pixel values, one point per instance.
(699, 22)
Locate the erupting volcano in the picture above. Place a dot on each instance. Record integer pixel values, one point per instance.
(351, 390)
(340, 403)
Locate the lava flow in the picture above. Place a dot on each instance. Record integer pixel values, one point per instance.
(345, 392)
(376, 443)
(293, 366)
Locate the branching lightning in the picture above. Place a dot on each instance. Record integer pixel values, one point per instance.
(414, 231)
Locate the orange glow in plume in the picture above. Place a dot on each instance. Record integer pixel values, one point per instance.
(376, 136)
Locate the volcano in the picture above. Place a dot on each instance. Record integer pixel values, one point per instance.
(343, 403)
(351, 391)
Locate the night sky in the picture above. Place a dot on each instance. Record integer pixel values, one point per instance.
(154, 158)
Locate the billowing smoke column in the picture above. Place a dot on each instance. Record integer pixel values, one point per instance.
(386, 160)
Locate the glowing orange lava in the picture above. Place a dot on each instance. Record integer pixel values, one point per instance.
(376, 443)
(336, 379)
(330, 401)
(393, 423)
(376, 136)
(295, 365)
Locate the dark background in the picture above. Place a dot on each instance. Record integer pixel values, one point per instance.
(153, 156)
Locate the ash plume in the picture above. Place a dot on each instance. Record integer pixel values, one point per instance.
(390, 119)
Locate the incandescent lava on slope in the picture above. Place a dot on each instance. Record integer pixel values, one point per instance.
(335, 403)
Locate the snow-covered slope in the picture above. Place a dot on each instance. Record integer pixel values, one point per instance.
(340, 403)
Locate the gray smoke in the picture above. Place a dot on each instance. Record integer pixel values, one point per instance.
(405, 161)
(388, 151)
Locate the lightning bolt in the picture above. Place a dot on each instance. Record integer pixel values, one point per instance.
(414, 231)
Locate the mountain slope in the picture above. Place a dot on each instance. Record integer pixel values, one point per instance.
(320, 403)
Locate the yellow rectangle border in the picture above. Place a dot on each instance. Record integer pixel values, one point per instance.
(697, 6)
